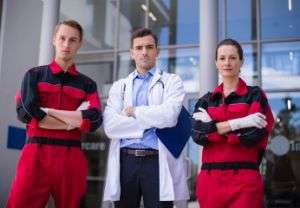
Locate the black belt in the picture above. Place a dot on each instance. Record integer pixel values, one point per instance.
(139, 152)
(229, 165)
(55, 142)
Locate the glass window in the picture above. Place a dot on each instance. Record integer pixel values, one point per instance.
(172, 23)
(185, 63)
(240, 17)
(125, 64)
(280, 19)
(132, 17)
(97, 18)
(247, 70)
(100, 72)
(281, 65)
(282, 158)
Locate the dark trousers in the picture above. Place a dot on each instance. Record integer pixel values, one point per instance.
(140, 178)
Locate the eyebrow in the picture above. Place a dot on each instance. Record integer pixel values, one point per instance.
(145, 45)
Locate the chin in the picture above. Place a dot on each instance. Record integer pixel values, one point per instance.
(227, 75)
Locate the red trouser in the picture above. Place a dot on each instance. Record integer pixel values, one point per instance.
(229, 189)
(46, 169)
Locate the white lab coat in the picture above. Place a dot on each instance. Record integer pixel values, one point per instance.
(165, 99)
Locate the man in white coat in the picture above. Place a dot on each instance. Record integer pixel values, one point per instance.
(139, 165)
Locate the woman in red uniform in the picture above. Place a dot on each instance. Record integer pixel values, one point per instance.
(233, 124)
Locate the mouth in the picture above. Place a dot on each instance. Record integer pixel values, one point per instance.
(227, 69)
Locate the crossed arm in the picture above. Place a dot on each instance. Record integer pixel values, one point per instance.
(248, 130)
(87, 117)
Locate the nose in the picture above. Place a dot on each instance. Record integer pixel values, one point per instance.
(144, 51)
(66, 43)
(227, 61)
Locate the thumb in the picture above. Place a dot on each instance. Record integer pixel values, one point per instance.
(201, 109)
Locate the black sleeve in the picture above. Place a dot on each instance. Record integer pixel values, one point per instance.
(251, 136)
(259, 103)
(92, 117)
(21, 113)
(27, 107)
(201, 129)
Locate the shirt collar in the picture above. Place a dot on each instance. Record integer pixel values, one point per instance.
(56, 69)
(150, 72)
(241, 89)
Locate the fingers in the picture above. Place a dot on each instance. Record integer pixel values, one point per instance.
(260, 115)
(260, 121)
(197, 116)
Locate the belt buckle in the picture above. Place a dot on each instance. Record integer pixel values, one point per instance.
(139, 153)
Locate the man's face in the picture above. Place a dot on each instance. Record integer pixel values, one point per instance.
(144, 52)
(66, 42)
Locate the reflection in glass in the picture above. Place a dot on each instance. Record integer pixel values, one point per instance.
(125, 65)
(185, 63)
(95, 145)
(132, 17)
(97, 18)
(280, 19)
(172, 23)
(241, 19)
(282, 161)
(100, 72)
(281, 65)
(247, 70)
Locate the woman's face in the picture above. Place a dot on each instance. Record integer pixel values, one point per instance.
(228, 61)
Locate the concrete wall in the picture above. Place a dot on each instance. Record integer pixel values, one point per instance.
(20, 38)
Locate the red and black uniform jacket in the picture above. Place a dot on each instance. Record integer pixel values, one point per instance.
(246, 144)
(49, 86)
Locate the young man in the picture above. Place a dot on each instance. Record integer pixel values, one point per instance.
(139, 165)
(51, 104)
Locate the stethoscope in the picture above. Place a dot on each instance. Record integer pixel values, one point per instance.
(158, 81)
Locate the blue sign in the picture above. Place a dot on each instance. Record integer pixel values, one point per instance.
(16, 137)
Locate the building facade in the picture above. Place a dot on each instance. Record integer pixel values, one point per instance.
(269, 31)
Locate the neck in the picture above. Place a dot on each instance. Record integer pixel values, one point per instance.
(230, 85)
(143, 70)
(64, 64)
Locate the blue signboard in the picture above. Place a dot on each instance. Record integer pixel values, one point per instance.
(16, 137)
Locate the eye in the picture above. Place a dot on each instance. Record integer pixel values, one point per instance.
(138, 48)
(150, 47)
(62, 38)
(73, 40)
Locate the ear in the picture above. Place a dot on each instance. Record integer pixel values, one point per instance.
(158, 51)
(53, 39)
(242, 63)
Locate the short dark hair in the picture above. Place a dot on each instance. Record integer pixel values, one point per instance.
(231, 42)
(73, 24)
(142, 32)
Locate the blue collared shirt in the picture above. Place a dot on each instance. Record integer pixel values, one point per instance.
(141, 83)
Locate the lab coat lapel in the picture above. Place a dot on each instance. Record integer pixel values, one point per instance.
(128, 90)
(157, 76)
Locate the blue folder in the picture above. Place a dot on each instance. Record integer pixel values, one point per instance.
(176, 137)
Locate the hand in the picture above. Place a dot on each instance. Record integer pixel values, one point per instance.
(129, 111)
(70, 127)
(83, 106)
(46, 110)
(202, 115)
(257, 120)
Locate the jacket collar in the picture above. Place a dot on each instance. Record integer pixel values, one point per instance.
(56, 69)
(241, 89)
